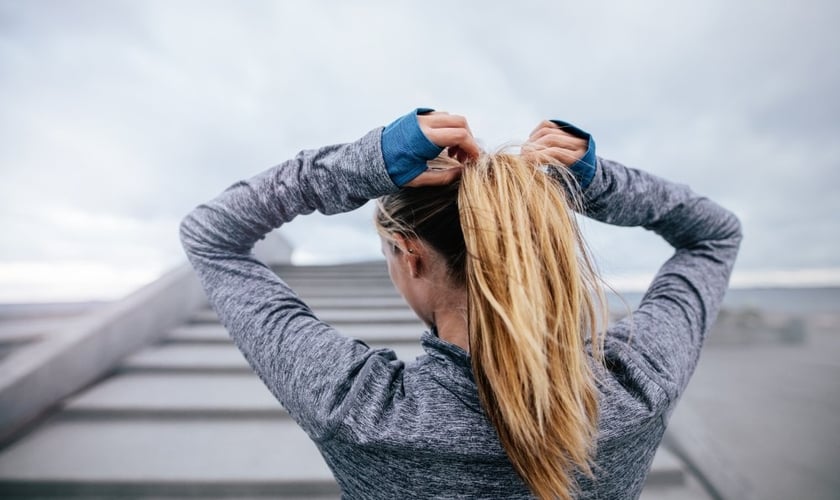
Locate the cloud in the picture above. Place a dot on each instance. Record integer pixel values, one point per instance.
(127, 115)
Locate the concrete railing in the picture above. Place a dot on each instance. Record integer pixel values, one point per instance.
(274, 249)
(35, 377)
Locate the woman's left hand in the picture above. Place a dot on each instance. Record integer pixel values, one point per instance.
(453, 133)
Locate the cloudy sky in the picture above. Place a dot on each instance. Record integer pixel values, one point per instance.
(118, 117)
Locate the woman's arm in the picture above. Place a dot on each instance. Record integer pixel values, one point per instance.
(681, 304)
(299, 358)
(664, 336)
(309, 367)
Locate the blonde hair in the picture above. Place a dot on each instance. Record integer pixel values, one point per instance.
(509, 235)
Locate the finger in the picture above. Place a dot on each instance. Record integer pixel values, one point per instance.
(562, 141)
(544, 124)
(462, 156)
(458, 154)
(543, 148)
(445, 120)
(436, 177)
(558, 153)
(553, 131)
(543, 132)
(461, 137)
(454, 152)
(562, 155)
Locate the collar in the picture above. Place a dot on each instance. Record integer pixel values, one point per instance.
(445, 351)
(453, 369)
(441, 349)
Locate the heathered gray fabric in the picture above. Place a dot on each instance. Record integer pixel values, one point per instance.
(394, 429)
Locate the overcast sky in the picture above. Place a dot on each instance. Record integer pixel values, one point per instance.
(119, 117)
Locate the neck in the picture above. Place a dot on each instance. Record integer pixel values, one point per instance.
(450, 318)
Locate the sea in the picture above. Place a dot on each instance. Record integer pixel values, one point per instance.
(804, 300)
(780, 300)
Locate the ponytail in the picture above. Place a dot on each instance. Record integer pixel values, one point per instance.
(510, 237)
(533, 298)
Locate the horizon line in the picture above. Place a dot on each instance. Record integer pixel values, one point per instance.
(33, 282)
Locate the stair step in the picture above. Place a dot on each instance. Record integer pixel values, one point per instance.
(334, 316)
(375, 303)
(195, 457)
(669, 469)
(312, 292)
(387, 333)
(329, 281)
(369, 268)
(217, 358)
(181, 394)
(393, 301)
(155, 456)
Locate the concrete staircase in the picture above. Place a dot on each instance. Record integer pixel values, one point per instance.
(186, 417)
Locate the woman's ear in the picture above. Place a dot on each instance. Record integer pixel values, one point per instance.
(410, 253)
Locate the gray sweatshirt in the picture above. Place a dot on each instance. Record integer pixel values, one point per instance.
(392, 428)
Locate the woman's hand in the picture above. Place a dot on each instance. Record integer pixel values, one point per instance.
(452, 133)
(549, 142)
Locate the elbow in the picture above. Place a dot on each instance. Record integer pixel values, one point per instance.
(734, 228)
(186, 235)
(199, 235)
(728, 225)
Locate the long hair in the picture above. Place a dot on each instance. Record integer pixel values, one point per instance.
(508, 234)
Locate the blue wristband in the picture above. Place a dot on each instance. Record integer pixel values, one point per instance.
(584, 168)
(406, 149)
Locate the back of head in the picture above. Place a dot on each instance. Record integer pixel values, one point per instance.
(509, 235)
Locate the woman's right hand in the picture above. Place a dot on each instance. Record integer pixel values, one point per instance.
(560, 143)
(548, 140)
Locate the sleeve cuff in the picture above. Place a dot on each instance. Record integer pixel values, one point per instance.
(584, 168)
(406, 149)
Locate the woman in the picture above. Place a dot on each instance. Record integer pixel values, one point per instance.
(520, 394)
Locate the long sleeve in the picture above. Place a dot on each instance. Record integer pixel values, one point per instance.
(308, 366)
(664, 336)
